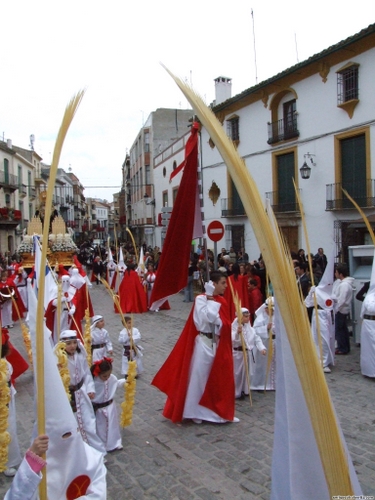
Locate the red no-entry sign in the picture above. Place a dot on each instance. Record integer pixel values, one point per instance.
(215, 230)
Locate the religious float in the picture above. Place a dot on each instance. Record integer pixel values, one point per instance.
(61, 247)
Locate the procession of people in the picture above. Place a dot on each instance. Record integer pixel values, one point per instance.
(221, 355)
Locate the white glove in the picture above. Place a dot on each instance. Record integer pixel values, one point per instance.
(209, 288)
(72, 310)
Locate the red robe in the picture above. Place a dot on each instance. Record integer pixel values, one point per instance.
(173, 376)
(239, 286)
(131, 293)
(18, 363)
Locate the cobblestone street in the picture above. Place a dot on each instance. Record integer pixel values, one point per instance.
(161, 460)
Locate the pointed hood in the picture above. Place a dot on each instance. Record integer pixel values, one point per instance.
(297, 471)
(72, 465)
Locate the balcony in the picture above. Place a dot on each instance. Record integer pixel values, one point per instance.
(9, 218)
(8, 181)
(232, 207)
(282, 203)
(283, 130)
(22, 191)
(32, 193)
(362, 193)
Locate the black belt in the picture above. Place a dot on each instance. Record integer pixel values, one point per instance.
(273, 337)
(97, 406)
(127, 351)
(239, 349)
(97, 346)
(368, 316)
(209, 335)
(73, 388)
(20, 286)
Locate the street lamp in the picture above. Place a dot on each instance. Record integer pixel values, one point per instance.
(305, 169)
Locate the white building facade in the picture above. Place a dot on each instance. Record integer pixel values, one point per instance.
(320, 112)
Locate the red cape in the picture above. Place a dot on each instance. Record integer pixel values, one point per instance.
(18, 363)
(173, 376)
(131, 293)
(239, 286)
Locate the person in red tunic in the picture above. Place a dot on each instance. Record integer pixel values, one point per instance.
(239, 285)
(19, 364)
(197, 377)
(131, 293)
(255, 299)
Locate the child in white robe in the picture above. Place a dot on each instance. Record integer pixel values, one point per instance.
(101, 344)
(107, 422)
(28, 477)
(129, 354)
(251, 340)
(264, 326)
(82, 389)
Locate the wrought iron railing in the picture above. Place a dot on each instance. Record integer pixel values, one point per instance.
(282, 203)
(8, 180)
(231, 207)
(362, 192)
(281, 130)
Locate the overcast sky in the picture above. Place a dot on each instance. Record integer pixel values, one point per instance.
(50, 50)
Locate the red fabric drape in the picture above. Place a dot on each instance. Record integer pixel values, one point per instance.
(174, 261)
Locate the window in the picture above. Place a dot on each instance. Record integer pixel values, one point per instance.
(289, 114)
(19, 175)
(174, 194)
(283, 125)
(7, 200)
(233, 128)
(353, 169)
(6, 171)
(147, 141)
(347, 84)
(285, 176)
(284, 171)
(165, 198)
(147, 173)
(29, 186)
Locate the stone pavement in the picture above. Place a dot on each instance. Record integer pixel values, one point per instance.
(165, 461)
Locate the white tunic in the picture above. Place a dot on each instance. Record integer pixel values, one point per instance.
(206, 319)
(100, 336)
(258, 380)
(326, 319)
(79, 370)
(6, 312)
(251, 340)
(368, 335)
(124, 339)
(14, 454)
(149, 281)
(25, 483)
(107, 422)
(21, 284)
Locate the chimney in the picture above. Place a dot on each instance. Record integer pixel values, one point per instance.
(9, 143)
(223, 89)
